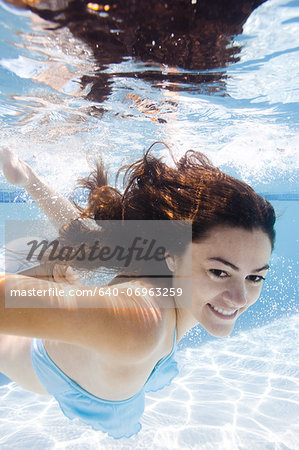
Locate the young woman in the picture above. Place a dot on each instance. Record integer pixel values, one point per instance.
(99, 360)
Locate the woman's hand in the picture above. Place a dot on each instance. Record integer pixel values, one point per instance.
(14, 169)
(53, 272)
(65, 274)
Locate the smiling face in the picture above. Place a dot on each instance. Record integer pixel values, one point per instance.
(228, 270)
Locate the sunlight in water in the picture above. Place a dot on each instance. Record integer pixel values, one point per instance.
(240, 392)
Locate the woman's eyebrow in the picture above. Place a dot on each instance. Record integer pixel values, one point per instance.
(227, 263)
(223, 261)
(265, 267)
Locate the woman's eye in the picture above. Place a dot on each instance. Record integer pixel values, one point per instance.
(256, 278)
(218, 273)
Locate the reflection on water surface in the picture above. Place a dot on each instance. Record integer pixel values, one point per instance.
(177, 41)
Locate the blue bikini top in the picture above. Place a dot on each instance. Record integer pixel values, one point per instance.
(117, 418)
(123, 421)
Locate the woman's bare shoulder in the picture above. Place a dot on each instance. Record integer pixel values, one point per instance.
(141, 319)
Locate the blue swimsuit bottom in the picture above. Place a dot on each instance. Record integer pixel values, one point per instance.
(117, 418)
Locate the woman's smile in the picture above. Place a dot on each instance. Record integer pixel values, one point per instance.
(222, 313)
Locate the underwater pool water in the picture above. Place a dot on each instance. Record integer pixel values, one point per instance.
(240, 393)
(60, 107)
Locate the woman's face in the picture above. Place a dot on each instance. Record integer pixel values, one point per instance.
(228, 268)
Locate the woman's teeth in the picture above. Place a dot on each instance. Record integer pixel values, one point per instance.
(222, 311)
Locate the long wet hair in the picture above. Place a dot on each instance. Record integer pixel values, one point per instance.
(193, 190)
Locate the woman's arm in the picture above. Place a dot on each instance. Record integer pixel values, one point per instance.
(112, 325)
(57, 208)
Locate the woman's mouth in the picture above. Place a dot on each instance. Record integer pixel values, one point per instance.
(223, 313)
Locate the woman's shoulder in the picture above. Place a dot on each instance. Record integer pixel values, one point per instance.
(146, 320)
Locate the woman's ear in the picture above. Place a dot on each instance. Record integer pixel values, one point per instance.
(170, 261)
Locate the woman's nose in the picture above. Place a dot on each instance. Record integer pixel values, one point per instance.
(236, 295)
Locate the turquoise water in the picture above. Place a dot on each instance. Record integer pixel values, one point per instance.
(235, 393)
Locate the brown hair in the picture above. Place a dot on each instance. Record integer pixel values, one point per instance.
(193, 190)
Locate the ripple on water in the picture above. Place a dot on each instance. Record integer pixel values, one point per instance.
(237, 393)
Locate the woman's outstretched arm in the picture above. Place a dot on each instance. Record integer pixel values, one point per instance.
(57, 208)
(122, 325)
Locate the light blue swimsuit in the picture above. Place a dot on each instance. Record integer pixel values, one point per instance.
(117, 418)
